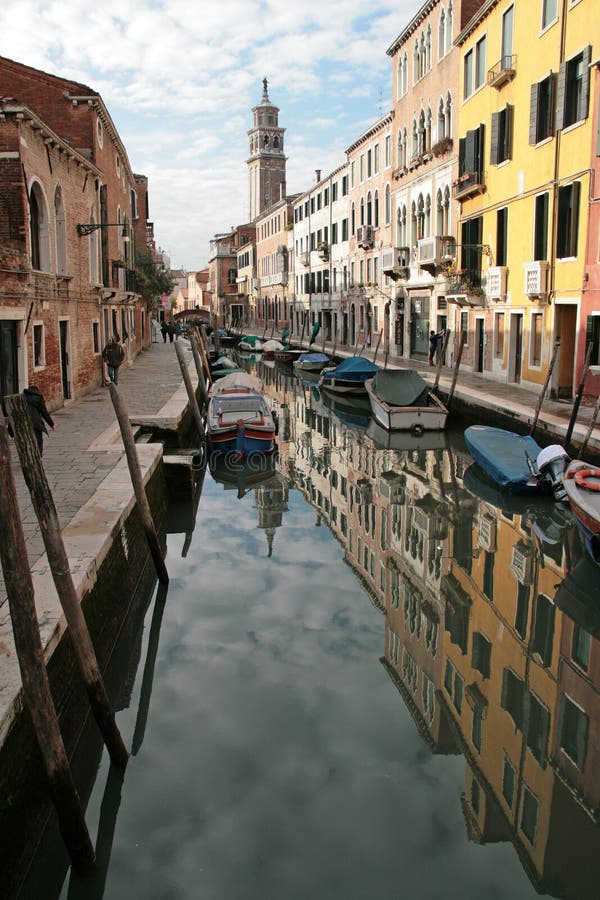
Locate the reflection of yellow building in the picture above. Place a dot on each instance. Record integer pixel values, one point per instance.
(523, 183)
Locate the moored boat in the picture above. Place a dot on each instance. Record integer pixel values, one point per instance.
(517, 463)
(312, 362)
(288, 355)
(238, 418)
(402, 401)
(349, 377)
(582, 485)
(251, 343)
(269, 348)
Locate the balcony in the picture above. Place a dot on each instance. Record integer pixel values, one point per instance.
(365, 236)
(467, 184)
(496, 282)
(395, 262)
(536, 278)
(502, 72)
(442, 146)
(435, 251)
(305, 258)
(464, 287)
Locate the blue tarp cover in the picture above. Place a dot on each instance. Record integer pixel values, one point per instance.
(503, 455)
(354, 367)
(313, 357)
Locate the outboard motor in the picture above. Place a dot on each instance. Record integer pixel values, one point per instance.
(551, 464)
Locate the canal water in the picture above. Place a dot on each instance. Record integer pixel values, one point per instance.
(368, 678)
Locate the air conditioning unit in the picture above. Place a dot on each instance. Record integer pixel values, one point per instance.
(365, 235)
(487, 534)
(536, 278)
(305, 258)
(364, 490)
(394, 261)
(522, 564)
(496, 282)
(391, 487)
(434, 251)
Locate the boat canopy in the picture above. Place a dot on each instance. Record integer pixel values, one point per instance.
(401, 387)
(236, 381)
(251, 339)
(354, 366)
(314, 358)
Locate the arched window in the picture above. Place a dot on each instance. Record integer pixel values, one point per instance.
(428, 131)
(94, 248)
(441, 122)
(439, 213)
(376, 210)
(362, 210)
(353, 221)
(428, 49)
(448, 128)
(402, 235)
(442, 35)
(405, 72)
(388, 205)
(39, 229)
(399, 80)
(276, 141)
(427, 224)
(449, 27)
(420, 217)
(447, 208)
(416, 62)
(414, 234)
(415, 139)
(422, 134)
(404, 145)
(369, 209)
(61, 237)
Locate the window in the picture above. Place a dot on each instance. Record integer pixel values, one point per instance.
(573, 729)
(468, 75)
(39, 230)
(522, 613)
(540, 236)
(549, 12)
(96, 336)
(568, 220)
(541, 110)
(388, 150)
(501, 137)
(538, 729)
(507, 38)
(537, 320)
(592, 337)
(388, 204)
(60, 230)
(481, 654)
(39, 346)
(464, 326)
(334, 191)
(529, 815)
(480, 47)
(477, 729)
(508, 781)
(512, 698)
(501, 236)
(499, 335)
(376, 159)
(471, 154)
(543, 628)
(573, 89)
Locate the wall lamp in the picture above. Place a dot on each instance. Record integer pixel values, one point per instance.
(88, 227)
(481, 248)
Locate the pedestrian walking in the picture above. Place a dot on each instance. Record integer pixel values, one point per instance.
(40, 417)
(171, 331)
(113, 355)
(163, 331)
(434, 340)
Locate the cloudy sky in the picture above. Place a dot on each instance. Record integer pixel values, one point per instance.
(180, 78)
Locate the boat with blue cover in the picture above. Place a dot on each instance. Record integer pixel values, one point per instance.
(349, 377)
(516, 462)
(312, 362)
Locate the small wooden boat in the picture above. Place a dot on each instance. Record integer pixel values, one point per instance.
(250, 343)
(238, 418)
(582, 485)
(402, 401)
(288, 355)
(311, 362)
(223, 366)
(227, 339)
(517, 463)
(349, 377)
(269, 348)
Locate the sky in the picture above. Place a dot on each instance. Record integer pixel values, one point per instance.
(180, 77)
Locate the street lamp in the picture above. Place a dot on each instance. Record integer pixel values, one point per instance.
(89, 227)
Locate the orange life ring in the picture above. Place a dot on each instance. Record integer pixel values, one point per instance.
(581, 476)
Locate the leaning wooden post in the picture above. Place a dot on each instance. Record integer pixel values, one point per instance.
(190, 391)
(545, 387)
(463, 341)
(199, 370)
(45, 510)
(138, 482)
(34, 676)
(588, 433)
(579, 395)
(378, 343)
(441, 360)
(215, 328)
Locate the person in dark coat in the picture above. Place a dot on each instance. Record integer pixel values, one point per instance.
(113, 355)
(434, 339)
(163, 331)
(39, 414)
(171, 331)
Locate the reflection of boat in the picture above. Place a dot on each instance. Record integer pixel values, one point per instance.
(241, 475)
(577, 595)
(404, 440)
(226, 339)
(311, 362)
(349, 377)
(516, 463)
(402, 401)
(238, 418)
(269, 348)
(354, 412)
(223, 366)
(288, 355)
(582, 484)
(250, 343)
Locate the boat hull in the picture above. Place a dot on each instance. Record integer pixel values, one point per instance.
(586, 508)
(408, 418)
(238, 418)
(503, 456)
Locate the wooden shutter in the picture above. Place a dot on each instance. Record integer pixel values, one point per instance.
(574, 218)
(462, 146)
(584, 97)
(533, 113)
(480, 142)
(494, 146)
(560, 96)
(470, 151)
(508, 131)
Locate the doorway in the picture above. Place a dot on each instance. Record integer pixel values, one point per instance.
(566, 325)
(515, 360)
(479, 344)
(9, 361)
(65, 367)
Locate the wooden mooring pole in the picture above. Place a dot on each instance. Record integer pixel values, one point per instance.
(45, 510)
(138, 482)
(30, 653)
(461, 347)
(545, 387)
(579, 395)
(591, 426)
(194, 343)
(190, 391)
(441, 360)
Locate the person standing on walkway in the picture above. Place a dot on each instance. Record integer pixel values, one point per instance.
(434, 339)
(171, 331)
(39, 414)
(113, 355)
(163, 331)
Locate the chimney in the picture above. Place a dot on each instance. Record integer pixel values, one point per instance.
(318, 174)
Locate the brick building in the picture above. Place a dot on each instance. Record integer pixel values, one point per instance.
(69, 213)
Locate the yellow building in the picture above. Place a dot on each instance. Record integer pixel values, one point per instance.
(522, 186)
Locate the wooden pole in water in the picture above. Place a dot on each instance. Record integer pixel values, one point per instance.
(441, 360)
(201, 347)
(588, 433)
(215, 328)
(461, 346)
(190, 391)
(303, 327)
(45, 510)
(579, 395)
(199, 369)
(138, 482)
(378, 343)
(545, 387)
(36, 689)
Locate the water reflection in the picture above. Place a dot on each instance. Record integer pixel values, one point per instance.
(491, 624)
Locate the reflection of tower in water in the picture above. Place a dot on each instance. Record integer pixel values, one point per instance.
(271, 501)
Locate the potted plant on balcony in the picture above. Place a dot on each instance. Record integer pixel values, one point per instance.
(323, 249)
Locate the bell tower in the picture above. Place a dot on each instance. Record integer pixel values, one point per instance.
(266, 163)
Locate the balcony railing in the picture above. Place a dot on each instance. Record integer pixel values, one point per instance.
(467, 184)
(503, 71)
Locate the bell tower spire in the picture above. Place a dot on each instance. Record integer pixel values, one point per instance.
(266, 163)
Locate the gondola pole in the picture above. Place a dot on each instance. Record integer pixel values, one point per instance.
(441, 360)
(190, 391)
(461, 346)
(591, 426)
(545, 387)
(579, 395)
(378, 343)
